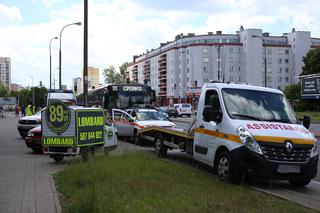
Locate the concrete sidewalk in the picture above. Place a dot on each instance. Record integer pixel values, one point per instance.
(26, 178)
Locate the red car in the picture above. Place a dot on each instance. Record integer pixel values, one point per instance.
(33, 139)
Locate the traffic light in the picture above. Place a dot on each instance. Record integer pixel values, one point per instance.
(40, 83)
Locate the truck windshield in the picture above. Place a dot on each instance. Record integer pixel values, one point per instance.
(257, 105)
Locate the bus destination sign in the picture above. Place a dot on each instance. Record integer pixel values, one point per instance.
(127, 88)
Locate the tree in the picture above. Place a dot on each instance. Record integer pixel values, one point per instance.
(311, 62)
(109, 74)
(293, 91)
(3, 90)
(123, 68)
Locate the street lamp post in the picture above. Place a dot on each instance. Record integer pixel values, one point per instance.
(76, 23)
(265, 58)
(50, 57)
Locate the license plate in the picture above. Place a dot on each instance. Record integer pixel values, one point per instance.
(288, 169)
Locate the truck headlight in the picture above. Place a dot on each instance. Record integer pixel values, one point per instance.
(314, 150)
(248, 140)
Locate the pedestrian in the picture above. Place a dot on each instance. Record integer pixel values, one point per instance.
(29, 110)
(17, 109)
(23, 110)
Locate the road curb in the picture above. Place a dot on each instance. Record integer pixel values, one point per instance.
(55, 195)
(285, 198)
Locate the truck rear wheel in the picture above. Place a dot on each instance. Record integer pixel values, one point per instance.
(159, 148)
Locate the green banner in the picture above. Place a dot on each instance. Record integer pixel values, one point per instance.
(90, 127)
(58, 141)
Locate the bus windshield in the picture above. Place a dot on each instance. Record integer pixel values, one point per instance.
(125, 100)
(258, 105)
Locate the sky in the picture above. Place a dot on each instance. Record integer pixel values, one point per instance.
(119, 29)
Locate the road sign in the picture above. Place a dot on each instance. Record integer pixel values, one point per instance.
(310, 87)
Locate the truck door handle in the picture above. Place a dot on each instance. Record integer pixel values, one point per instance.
(201, 126)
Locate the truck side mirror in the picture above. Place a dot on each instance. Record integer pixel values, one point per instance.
(211, 115)
(306, 121)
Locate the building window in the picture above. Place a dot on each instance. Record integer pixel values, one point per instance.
(286, 52)
(188, 70)
(269, 51)
(205, 69)
(286, 79)
(280, 70)
(205, 50)
(231, 59)
(205, 60)
(269, 61)
(280, 61)
(238, 59)
(286, 60)
(286, 69)
(231, 50)
(279, 51)
(231, 69)
(187, 60)
(279, 79)
(269, 79)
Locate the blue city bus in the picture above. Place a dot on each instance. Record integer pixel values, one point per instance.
(119, 96)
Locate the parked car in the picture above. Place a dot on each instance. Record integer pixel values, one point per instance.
(130, 121)
(28, 122)
(33, 139)
(183, 109)
(170, 111)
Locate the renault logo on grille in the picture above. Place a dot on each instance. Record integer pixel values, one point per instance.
(289, 147)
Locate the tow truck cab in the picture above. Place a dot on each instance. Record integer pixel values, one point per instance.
(242, 130)
(250, 130)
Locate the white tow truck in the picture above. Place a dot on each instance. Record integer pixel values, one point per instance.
(242, 130)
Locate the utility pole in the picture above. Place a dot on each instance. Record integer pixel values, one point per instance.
(85, 54)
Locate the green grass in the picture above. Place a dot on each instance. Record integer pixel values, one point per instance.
(141, 182)
(315, 116)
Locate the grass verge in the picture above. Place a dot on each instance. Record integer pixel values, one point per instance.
(315, 116)
(140, 182)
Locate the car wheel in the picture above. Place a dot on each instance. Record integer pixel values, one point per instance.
(189, 116)
(299, 183)
(159, 148)
(58, 158)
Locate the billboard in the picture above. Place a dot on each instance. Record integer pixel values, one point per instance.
(8, 101)
(310, 87)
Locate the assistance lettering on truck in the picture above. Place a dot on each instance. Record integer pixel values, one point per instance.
(242, 130)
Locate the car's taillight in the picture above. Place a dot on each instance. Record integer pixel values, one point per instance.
(45, 149)
(74, 149)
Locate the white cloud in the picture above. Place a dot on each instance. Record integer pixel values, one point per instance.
(9, 15)
(120, 29)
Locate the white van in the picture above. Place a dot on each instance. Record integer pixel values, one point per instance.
(183, 109)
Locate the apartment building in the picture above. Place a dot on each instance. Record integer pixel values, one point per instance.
(176, 70)
(5, 71)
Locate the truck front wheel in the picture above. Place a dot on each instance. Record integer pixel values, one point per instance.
(225, 170)
(159, 148)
